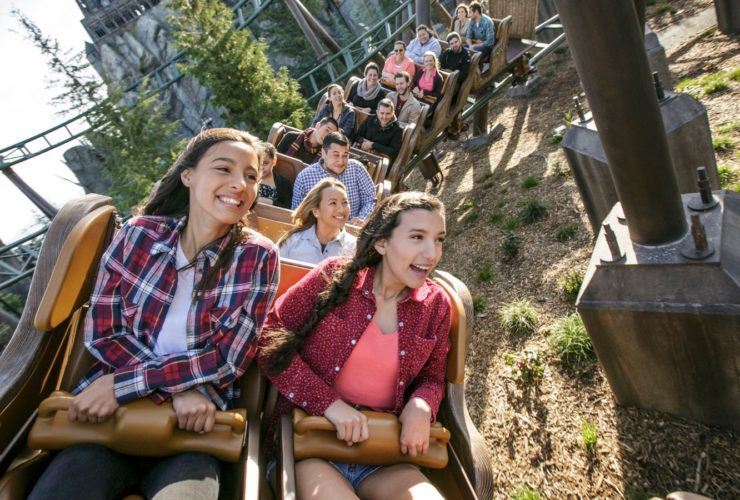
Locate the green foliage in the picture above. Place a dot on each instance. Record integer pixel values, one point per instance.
(532, 210)
(131, 134)
(510, 245)
(559, 169)
(664, 8)
(566, 232)
(728, 127)
(511, 223)
(723, 143)
(589, 436)
(569, 339)
(530, 181)
(526, 493)
(485, 273)
(709, 84)
(468, 204)
(472, 216)
(526, 368)
(479, 304)
(570, 283)
(729, 178)
(495, 217)
(556, 137)
(518, 317)
(489, 184)
(235, 68)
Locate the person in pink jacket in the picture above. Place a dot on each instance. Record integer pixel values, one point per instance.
(370, 331)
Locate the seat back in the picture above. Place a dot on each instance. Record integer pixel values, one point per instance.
(360, 116)
(376, 165)
(276, 133)
(289, 167)
(523, 13)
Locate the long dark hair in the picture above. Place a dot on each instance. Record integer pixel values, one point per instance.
(284, 344)
(171, 197)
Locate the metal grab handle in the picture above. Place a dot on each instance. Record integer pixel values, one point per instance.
(60, 401)
(316, 423)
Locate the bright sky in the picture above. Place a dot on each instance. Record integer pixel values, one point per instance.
(25, 108)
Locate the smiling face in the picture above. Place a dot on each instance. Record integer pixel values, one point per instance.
(461, 14)
(429, 63)
(335, 158)
(413, 249)
(223, 185)
(423, 36)
(371, 76)
(401, 85)
(385, 114)
(333, 210)
(337, 96)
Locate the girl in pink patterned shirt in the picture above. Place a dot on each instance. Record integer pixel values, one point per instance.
(323, 334)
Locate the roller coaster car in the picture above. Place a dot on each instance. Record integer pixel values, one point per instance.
(377, 166)
(273, 222)
(49, 355)
(458, 463)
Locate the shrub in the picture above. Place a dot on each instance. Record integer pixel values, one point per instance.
(479, 304)
(472, 216)
(556, 138)
(568, 338)
(510, 245)
(589, 436)
(530, 181)
(532, 210)
(518, 317)
(570, 283)
(566, 232)
(485, 273)
(526, 368)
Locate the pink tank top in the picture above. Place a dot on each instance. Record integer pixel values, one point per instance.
(370, 375)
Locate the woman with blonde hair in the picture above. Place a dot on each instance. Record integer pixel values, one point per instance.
(428, 82)
(319, 225)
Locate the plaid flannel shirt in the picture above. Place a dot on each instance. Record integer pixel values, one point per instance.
(360, 187)
(136, 284)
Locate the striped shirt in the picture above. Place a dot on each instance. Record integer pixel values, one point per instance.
(360, 187)
(135, 285)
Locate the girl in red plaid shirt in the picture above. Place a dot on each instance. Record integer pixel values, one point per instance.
(179, 301)
(369, 331)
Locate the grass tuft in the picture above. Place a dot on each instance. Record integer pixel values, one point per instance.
(485, 273)
(569, 339)
(723, 143)
(526, 493)
(729, 178)
(570, 283)
(518, 317)
(496, 217)
(510, 245)
(479, 304)
(532, 210)
(530, 181)
(468, 204)
(709, 84)
(589, 436)
(566, 232)
(511, 223)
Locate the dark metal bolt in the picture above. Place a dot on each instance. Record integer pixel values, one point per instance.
(579, 108)
(705, 190)
(699, 234)
(658, 86)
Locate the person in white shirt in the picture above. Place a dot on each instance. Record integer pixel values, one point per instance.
(319, 221)
(424, 41)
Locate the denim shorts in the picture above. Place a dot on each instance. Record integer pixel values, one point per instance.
(355, 473)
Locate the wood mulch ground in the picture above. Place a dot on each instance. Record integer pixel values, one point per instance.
(535, 435)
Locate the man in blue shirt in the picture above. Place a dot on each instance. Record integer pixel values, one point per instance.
(335, 163)
(481, 33)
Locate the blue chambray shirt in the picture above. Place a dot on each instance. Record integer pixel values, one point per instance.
(360, 187)
(482, 30)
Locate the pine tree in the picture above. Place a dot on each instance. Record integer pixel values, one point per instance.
(136, 143)
(235, 68)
